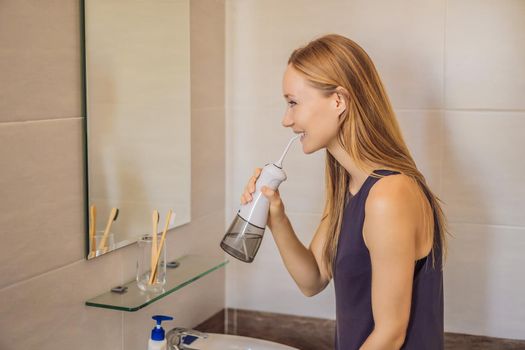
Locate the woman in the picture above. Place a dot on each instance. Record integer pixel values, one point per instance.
(387, 264)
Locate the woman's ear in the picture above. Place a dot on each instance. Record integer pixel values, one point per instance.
(341, 96)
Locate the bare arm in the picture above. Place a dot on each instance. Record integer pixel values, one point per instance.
(303, 264)
(390, 228)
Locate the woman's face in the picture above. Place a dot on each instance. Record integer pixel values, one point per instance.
(311, 112)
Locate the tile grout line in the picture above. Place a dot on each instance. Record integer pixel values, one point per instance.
(492, 110)
(495, 110)
(47, 272)
(443, 111)
(84, 260)
(122, 330)
(514, 227)
(38, 120)
(444, 89)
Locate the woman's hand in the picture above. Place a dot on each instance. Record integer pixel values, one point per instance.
(276, 212)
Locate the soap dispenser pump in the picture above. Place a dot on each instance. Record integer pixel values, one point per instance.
(158, 336)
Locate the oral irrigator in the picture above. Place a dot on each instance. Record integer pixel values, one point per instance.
(244, 236)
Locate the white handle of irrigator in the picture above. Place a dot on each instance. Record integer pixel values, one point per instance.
(256, 211)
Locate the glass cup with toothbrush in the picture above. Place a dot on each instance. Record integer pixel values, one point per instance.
(151, 258)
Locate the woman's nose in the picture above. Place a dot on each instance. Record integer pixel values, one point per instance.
(287, 121)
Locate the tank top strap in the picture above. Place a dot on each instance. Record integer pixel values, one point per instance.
(362, 194)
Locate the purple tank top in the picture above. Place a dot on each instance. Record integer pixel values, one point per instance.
(353, 282)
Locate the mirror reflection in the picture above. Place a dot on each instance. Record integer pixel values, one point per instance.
(137, 56)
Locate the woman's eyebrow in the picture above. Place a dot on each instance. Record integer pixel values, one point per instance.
(288, 95)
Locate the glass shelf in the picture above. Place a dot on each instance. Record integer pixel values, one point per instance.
(191, 268)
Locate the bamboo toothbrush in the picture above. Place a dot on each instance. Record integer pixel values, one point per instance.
(155, 221)
(92, 230)
(112, 217)
(159, 250)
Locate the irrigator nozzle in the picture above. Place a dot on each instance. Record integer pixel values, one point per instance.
(280, 161)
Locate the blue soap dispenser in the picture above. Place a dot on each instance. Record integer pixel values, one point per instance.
(158, 336)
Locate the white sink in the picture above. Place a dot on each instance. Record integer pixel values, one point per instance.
(216, 341)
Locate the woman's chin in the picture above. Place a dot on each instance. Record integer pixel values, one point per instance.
(308, 149)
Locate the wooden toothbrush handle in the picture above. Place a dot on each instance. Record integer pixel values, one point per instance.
(155, 221)
(92, 230)
(112, 215)
(153, 275)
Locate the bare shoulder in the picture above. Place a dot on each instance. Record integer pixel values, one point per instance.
(392, 208)
(393, 191)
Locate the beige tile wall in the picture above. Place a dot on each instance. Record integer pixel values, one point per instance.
(44, 276)
(454, 71)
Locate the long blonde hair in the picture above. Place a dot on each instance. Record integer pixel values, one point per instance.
(368, 130)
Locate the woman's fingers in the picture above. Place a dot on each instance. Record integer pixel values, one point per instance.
(272, 195)
(245, 198)
(250, 187)
(253, 179)
(276, 204)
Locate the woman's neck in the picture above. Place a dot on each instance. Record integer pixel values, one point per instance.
(357, 175)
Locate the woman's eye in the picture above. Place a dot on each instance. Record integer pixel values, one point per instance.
(291, 103)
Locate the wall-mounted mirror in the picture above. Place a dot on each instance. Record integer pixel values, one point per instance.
(137, 61)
